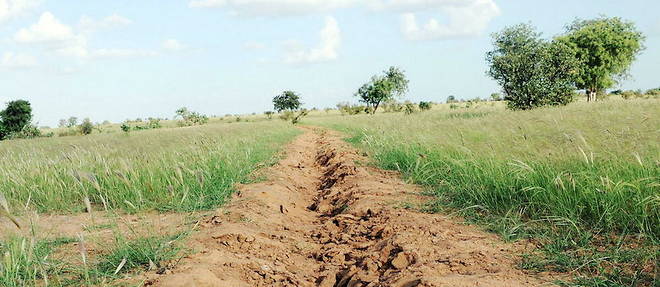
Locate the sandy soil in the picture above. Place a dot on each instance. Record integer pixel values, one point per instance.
(324, 220)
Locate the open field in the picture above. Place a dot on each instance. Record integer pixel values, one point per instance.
(168, 169)
(573, 189)
(583, 180)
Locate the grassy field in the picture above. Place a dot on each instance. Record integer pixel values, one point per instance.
(583, 181)
(165, 170)
(179, 169)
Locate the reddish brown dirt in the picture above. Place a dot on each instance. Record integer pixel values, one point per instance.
(323, 220)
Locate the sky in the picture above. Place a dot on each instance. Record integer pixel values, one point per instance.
(121, 59)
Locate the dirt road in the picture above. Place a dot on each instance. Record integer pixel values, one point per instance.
(324, 220)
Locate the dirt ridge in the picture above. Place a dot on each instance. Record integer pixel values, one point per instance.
(323, 220)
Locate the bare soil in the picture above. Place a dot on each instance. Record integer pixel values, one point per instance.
(322, 219)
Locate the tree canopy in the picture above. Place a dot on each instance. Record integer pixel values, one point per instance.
(531, 71)
(287, 101)
(605, 48)
(15, 117)
(379, 89)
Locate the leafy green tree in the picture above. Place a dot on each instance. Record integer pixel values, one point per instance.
(15, 117)
(496, 97)
(86, 126)
(287, 101)
(605, 48)
(531, 71)
(451, 99)
(393, 84)
(72, 122)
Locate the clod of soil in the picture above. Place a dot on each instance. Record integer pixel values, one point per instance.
(322, 220)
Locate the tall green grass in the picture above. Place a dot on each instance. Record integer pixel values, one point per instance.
(179, 169)
(587, 168)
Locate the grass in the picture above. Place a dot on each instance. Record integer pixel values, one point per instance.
(581, 180)
(183, 169)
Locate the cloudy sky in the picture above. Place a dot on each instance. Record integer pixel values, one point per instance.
(119, 59)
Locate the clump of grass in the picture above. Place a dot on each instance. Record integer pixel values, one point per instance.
(144, 252)
(567, 177)
(25, 262)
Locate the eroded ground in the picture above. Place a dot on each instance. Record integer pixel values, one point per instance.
(323, 220)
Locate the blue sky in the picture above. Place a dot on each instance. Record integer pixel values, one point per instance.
(113, 60)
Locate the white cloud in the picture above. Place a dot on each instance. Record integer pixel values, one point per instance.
(173, 45)
(13, 60)
(61, 39)
(273, 7)
(326, 51)
(56, 36)
(12, 8)
(88, 24)
(465, 18)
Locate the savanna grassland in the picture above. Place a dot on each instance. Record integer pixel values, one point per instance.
(579, 182)
(582, 182)
(97, 180)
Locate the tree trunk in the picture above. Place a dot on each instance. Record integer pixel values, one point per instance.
(375, 108)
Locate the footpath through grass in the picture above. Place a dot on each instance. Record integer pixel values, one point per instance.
(181, 169)
(582, 181)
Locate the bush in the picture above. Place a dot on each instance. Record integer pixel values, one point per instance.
(293, 117)
(346, 108)
(125, 127)
(424, 106)
(409, 108)
(28, 132)
(190, 118)
(86, 127)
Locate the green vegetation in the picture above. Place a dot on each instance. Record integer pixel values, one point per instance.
(582, 180)
(531, 71)
(605, 49)
(165, 169)
(189, 118)
(391, 85)
(287, 101)
(15, 121)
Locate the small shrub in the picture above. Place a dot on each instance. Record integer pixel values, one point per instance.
(409, 108)
(86, 127)
(190, 118)
(125, 127)
(424, 106)
(269, 114)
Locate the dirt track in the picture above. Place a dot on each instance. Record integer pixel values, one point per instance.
(322, 220)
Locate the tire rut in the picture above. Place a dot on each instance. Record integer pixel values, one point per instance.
(323, 220)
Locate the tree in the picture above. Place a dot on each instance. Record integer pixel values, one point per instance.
(287, 101)
(531, 71)
(86, 126)
(393, 84)
(451, 99)
(605, 48)
(15, 117)
(496, 97)
(72, 122)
